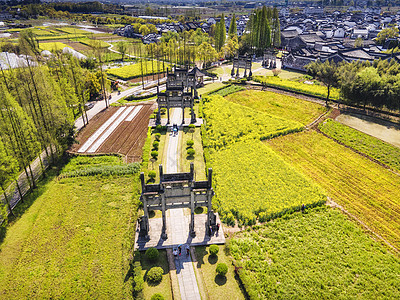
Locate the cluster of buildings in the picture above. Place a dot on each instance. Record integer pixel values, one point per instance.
(309, 34)
(128, 30)
(313, 34)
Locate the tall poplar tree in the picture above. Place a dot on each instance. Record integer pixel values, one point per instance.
(232, 27)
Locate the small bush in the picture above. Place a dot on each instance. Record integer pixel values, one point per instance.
(192, 126)
(152, 254)
(155, 274)
(154, 154)
(159, 128)
(221, 269)
(190, 143)
(156, 144)
(157, 136)
(214, 250)
(137, 277)
(152, 175)
(157, 297)
(276, 72)
(191, 152)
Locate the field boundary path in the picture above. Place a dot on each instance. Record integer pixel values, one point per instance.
(179, 230)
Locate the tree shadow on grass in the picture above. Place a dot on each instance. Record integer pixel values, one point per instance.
(3, 233)
(213, 259)
(200, 253)
(220, 280)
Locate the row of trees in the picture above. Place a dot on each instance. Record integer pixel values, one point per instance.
(362, 83)
(38, 105)
(263, 31)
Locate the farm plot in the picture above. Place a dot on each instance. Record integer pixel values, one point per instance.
(94, 124)
(229, 122)
(311, 89)
(52, 46)
(253, 183)
(375, 148)
(316, 255)
(279, 105)
(136, 70)
(120, 130)
(366, 189)
(73, 241)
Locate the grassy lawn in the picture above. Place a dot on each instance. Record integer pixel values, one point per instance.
(381, 151)
(316, 255)
(228, 122)
(163, 287)
(153, 164)
(223, 70)
(252, 183)
(210, 87)
(279, 105)
(198, 159)
(73, 241)
(218, 287)
(364, 188)
(52, 46)
(135, 70)
(310, 89)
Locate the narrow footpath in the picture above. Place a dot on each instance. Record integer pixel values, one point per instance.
(179, 228)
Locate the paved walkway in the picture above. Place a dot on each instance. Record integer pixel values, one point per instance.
(179, 229)
(171, 161)
(186, 278)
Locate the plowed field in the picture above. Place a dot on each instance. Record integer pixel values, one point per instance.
(128, 137)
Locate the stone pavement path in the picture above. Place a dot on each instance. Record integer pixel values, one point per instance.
(177, 222)
(171, 163)
(186, 277)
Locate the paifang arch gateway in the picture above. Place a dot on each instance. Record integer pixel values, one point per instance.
(176, 190)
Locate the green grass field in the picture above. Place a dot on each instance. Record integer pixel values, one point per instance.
(279, 105)
(59, 37)
(230, 89)
(94, 43)
(198, 159)
(218, 287)
(163, 287)
(210, 87)
(253, 183)
(311, 89)
(73, 240)
(135, 70)
(52, 46)
(364, 188)
(375, 148)
(229, 122)
(73, 30)
(316, 255)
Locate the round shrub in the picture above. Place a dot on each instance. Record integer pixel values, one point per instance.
(191, 152)
(157, 136)
(154, 154)
(190, 143)
(221, 269)
(213, 250)
(156, 144)
(152, 175)
(155, 274)
(157, 297)
(152, 254)
(159, 128)
(192, 126)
